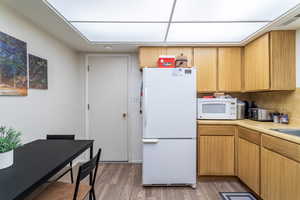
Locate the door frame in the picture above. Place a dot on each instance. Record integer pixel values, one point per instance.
(86, 93)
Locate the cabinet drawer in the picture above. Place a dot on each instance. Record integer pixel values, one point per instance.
(216, 130)
(250, 136)
(283, 147)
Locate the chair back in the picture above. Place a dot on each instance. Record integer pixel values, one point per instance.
(60, 137)
(86, 169)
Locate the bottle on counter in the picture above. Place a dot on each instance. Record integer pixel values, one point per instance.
(276, 117)
(284, 119)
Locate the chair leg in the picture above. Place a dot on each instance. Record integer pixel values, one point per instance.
(71, 173)
(93, 193)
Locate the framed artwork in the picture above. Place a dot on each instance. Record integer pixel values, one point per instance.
(38, 72)
(13, 66)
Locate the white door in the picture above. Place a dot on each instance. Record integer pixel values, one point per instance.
(169, 161)
(169, 103)
(107, 98)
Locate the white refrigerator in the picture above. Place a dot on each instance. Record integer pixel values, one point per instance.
(169, 126)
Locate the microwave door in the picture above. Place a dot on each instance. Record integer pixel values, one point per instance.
(213, 108)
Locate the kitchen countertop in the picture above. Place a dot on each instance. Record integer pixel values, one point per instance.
(263, 127)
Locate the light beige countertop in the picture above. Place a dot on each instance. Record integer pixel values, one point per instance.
(263, 127)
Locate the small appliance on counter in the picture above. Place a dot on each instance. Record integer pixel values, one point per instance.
(217, 108)
(260, 114)
(241, 109)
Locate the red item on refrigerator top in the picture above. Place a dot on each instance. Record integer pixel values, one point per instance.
(208, 97)
(166, 61)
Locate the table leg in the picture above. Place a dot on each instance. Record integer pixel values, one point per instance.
(91, 174)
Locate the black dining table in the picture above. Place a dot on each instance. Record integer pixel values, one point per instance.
(36, 162)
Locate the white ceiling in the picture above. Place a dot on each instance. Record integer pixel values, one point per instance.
(166, 21)
(125, 25)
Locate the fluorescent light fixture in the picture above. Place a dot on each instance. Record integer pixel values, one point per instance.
(211, 32)
(231, 10)
(123, 32)
(114, 10)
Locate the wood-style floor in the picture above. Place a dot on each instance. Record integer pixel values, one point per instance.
(123, 182)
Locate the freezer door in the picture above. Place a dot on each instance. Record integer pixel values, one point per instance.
(169, 103)
(169, 161)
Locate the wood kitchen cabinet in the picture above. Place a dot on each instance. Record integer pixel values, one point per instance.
(249, 158)
(230, 69)
(280, 169)
(280, 177)
(205, 60)
(216, 150)
(270, 62)
(148, 56)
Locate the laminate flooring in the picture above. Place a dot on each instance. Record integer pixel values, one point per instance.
(118, 181)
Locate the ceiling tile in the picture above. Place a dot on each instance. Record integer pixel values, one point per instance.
(231, 10)
(211, 32)
(114, 10)
(123, 32)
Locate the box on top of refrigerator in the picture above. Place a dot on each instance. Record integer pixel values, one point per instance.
(166, 61)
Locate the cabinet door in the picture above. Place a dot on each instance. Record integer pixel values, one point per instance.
(229, 69)
(148, 56)
(186, 51)
(280, 177)
(283, 61)
(257, 65)
(216, 155)
(205, 59)
(248, 164)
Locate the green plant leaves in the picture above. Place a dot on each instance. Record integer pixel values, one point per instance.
(9, 139)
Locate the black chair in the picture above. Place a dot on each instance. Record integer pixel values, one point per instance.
(66, 191)
(68, 169)
(86, 169)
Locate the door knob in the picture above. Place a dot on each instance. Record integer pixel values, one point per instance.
(124, 115)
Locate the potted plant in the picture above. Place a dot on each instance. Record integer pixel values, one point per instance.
(9, 140)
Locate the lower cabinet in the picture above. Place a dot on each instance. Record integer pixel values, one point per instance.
(268, 165)
(280, 177)
(248, 164)
(216, 150)
(248, 152)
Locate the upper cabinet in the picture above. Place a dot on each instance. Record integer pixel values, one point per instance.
(265, 64)
(205, 60)
(148, 56)
(270, 62)
(230, 69)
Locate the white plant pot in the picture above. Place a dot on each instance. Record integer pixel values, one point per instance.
(6, 159)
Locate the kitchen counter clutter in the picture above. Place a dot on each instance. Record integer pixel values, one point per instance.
(263, 127)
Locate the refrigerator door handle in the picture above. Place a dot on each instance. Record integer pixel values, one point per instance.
(150, 141)
(145, 107)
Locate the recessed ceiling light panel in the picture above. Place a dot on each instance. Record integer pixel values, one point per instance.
(123, 32)
(231, 10)
(212, 32)
(113, 10)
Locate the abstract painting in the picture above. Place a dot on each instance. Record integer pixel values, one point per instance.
(38, 78)
(13, 66)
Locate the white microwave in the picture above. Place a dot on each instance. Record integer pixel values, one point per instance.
(217, 108)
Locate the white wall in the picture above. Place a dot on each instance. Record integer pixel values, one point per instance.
(134, 116)
(56, 110)
(298, 57)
